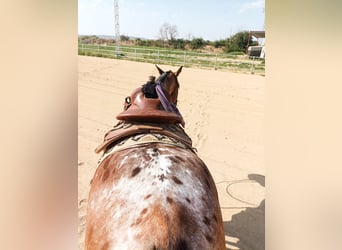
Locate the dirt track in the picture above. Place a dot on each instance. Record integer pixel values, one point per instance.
(224, 117)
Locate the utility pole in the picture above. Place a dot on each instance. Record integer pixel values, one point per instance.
(117, 28)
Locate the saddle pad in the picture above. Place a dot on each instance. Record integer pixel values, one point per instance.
(124, 129)
(139, 140)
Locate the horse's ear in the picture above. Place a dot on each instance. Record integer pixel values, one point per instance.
(160, 70)
(178, 71)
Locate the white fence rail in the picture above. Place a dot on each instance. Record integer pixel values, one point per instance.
(174, 57)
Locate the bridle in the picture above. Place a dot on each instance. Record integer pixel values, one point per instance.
(167, 105)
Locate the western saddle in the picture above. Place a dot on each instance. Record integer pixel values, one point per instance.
(143, 115)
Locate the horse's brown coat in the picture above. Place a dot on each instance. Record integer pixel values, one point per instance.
(129, 211)
(154, 196)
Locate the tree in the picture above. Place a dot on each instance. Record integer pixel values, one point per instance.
(239, 42)
(124, 38)
(197, 43)
(219, 43)
(178, 43)
(168, 32)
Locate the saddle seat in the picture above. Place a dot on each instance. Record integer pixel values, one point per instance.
(139, 108)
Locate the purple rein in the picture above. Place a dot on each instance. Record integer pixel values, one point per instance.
(167, 105)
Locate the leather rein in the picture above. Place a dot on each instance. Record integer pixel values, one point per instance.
(167, 105)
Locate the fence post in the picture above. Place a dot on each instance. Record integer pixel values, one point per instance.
(135, 53)
(252, 68)
(215, 67)
(158, 60)
(184, 58)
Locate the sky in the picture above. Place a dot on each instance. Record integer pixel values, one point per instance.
(210, 20)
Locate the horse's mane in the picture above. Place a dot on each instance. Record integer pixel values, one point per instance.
(149, 88)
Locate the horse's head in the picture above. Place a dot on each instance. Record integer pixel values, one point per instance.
(169, 82)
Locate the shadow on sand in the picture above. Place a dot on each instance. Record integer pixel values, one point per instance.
(248, 226)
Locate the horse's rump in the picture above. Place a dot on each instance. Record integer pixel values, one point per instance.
(153, 197)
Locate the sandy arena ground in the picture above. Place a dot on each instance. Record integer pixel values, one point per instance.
(224, 114)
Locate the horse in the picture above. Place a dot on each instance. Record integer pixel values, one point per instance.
(150, 189)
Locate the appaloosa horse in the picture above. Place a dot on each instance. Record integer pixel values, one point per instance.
(151, 190)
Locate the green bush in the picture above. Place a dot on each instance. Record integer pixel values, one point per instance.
(239, 42)
(197, 43)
